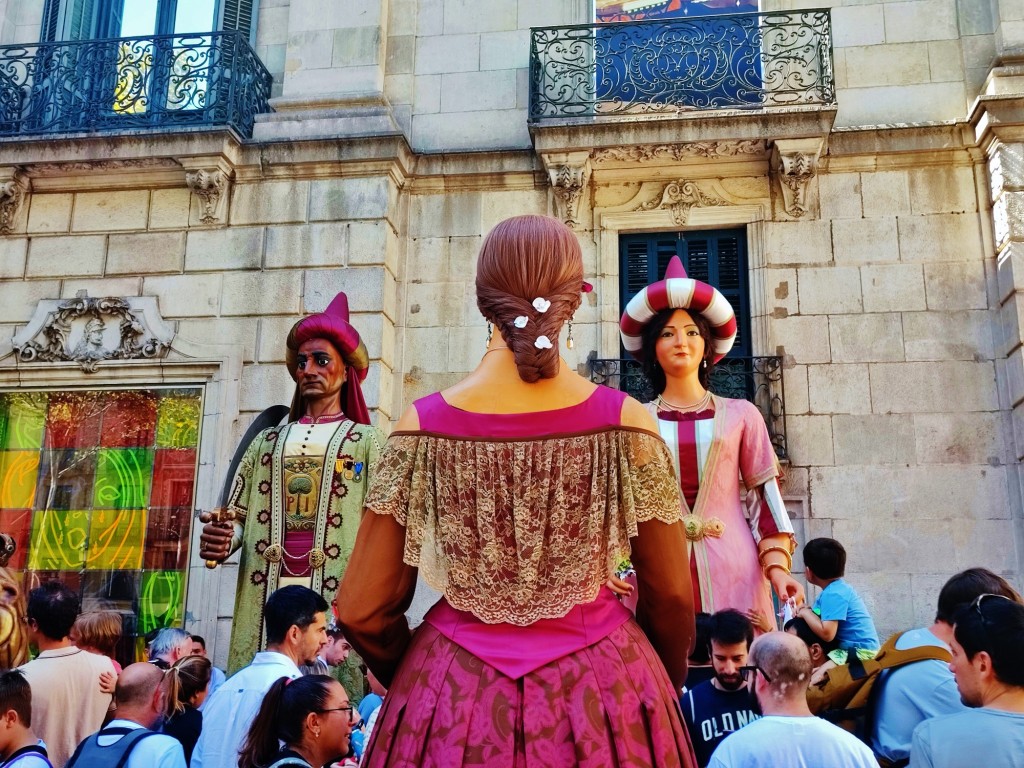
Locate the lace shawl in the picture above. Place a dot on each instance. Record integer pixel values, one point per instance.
(522, 529)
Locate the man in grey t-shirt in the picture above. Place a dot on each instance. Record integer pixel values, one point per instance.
(989, 671)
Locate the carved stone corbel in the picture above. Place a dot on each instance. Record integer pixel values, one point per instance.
(794, 165)
(569, 173)
(14, 190)
(213, 188)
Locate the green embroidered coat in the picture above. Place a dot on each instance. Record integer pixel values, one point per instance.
(257, 502)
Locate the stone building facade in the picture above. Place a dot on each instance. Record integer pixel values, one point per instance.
(883, 228)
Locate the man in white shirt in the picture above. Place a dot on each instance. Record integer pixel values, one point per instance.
(67, 703)
(787, 735)
(141, 696)
(296, 619)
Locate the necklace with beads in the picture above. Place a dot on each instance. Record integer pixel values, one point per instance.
(700, 405)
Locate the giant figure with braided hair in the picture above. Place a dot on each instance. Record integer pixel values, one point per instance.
(514, 493)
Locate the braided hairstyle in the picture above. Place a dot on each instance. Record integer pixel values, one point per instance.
(522, 259)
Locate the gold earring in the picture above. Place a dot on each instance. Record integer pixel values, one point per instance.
(569, 341)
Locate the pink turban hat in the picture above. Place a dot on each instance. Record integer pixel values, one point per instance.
(332, 324)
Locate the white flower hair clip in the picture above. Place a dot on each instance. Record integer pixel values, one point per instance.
(542, 342)
(521, 321)
(541, 304)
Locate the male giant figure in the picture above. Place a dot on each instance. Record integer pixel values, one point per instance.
(297, 497)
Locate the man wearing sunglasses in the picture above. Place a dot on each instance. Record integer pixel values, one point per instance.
(788, 735)
(988, 638)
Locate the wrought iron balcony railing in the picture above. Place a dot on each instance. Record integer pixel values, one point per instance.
(757, 379)
(213, 79)
(751, 61)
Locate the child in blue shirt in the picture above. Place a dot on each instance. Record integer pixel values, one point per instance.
(839, 612)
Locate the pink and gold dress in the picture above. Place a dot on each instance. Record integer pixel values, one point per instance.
(728, 474)
(528, 659)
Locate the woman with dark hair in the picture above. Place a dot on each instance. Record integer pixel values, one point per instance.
(310, 715)
(679, 328)
(515, 493)
(188, 680)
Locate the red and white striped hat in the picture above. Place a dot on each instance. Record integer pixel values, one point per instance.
(677, 291)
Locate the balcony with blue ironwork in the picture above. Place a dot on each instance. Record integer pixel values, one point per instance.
(182, 82)
(749, 61)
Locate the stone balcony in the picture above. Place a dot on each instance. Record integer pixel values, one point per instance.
(159, 83)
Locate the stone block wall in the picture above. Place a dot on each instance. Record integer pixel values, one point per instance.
(885, 317)
(288, 248)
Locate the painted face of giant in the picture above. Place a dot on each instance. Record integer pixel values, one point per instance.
(680, 347)
(321, 370)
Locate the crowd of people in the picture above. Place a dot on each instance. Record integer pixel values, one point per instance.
(606, 572)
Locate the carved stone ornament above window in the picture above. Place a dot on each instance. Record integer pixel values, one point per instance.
(89, 330)
(212, 187)
(676, 152)
(679, 197)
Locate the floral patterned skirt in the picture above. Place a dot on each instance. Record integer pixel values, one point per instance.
(610, 704)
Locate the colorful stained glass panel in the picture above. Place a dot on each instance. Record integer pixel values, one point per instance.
(167, 538)
(177, 423)
(25, 421)
(97, 489)
(66, 479)
(123, 477)
(129, 420)
(115, 539)
(73, 419)
(161, 600)
(18, 473)
(59, 538)
(174, 477)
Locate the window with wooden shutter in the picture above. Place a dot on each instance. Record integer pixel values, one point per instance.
(240, 15)
(718, 257)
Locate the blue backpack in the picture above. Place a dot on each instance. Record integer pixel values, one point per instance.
(90, 754)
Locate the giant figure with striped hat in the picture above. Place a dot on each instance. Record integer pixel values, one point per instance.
(297, 496)
(679, 328)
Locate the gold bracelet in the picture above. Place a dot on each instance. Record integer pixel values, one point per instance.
(768, 567)
(776, 548)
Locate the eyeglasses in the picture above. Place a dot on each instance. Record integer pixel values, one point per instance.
(348, 709)
(749, 672)
(976, 605)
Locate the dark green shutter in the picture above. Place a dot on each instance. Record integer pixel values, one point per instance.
(240, 15)
(68, 20)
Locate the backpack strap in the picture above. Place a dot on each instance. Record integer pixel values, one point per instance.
(889, 657)
(31, 749)
(130, 738)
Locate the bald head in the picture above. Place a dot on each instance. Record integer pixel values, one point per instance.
(786, 662)
(139, 693)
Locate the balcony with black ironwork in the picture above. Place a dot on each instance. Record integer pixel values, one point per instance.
(158, 82)
(757, 379)
(756, 61)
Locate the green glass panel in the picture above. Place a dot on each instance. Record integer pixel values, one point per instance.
(58, 540)
(122, 478)
(115, 539)
(161, 600)
(177, 424)
(24, 420)
(18, 473)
